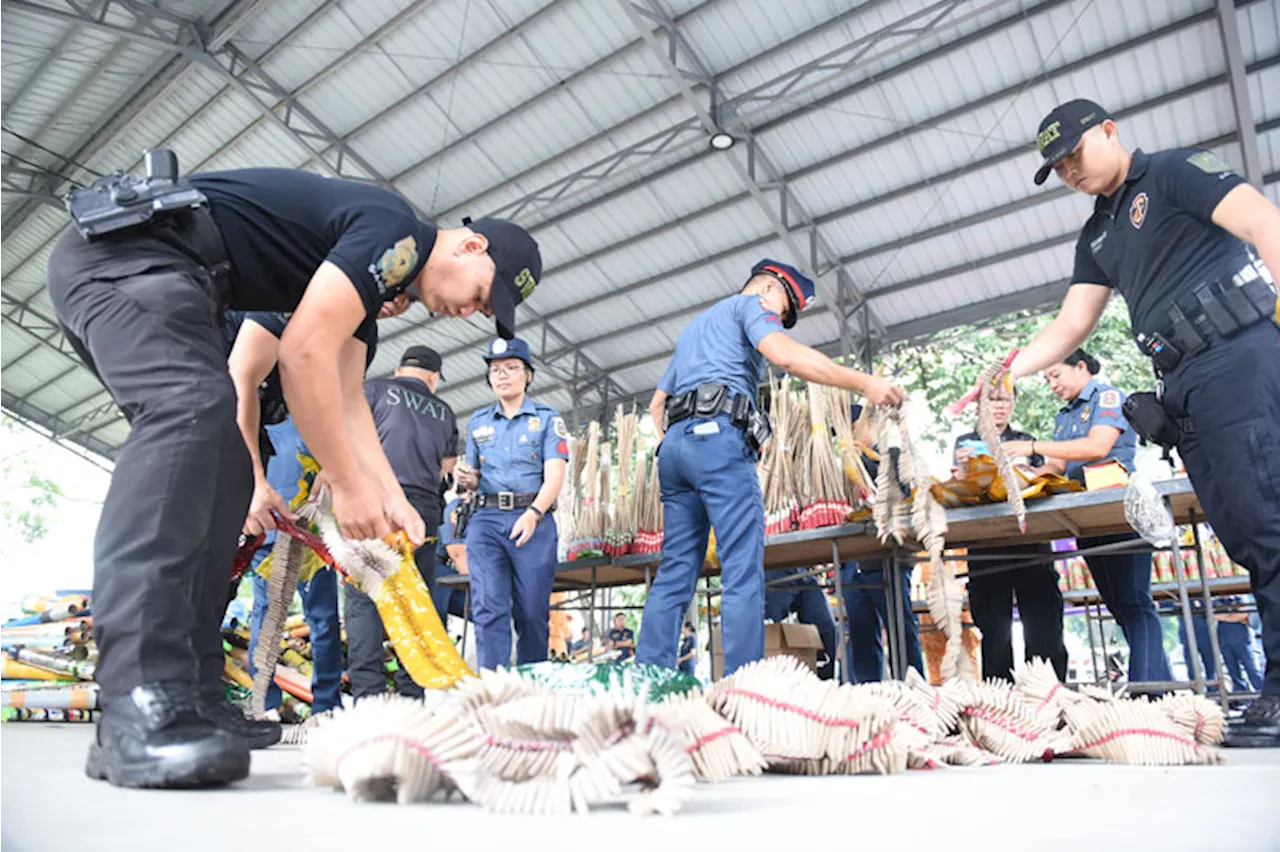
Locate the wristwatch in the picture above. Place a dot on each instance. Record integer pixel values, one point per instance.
(537, 511)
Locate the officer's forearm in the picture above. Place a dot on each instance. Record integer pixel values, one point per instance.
(458, 556)
(249, 419)
(1080, 311)
(309, 378)
(809, 364)
(1079, 449)
(552, 480)
(657, 408)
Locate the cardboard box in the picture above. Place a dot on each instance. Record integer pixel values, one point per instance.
(1107, 474)
(790, 640)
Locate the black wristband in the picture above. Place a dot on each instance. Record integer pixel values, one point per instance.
(541, 514)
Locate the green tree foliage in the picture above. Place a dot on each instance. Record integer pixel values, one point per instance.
(28, 495)
(943, 369)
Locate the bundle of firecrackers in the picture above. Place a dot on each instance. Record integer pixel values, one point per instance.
(49, 659)
(554, 739)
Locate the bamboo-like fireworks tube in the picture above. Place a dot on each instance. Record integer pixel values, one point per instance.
(990, 433)
(54, 662)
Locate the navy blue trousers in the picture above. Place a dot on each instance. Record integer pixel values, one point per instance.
(1231, 393)
(805, 598)
(868, 611)
(509, 582)
(708, 478)
(1236, 643)
(320, 608)
(1124, 584)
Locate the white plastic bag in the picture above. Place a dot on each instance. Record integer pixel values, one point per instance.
(1146, 512)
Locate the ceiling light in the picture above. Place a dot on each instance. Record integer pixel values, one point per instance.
(721, 141)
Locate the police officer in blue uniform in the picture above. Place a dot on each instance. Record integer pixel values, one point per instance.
(866, 606)
(687, 662)
(419, 434)
(705, 410)
(515, 462)
(1091, 428)
(797, 591)
(451, 561)
(138, 285)
(622, 638)
(1192, 248)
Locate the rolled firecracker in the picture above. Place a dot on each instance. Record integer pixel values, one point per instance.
(80, 697)
(74, 651)
(300, 632)
(79, 635)
(12, 669)
(9, 642)
(232, 672)
(55, 662)
(39, 714)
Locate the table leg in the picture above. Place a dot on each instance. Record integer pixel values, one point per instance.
(1093, 647)
(1180, 574)
(1216, 649)
(842, 618)
(591, 619)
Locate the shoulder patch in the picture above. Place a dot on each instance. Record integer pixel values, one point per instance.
(1209, 162)
(1109, 399)
(557, 424)
(391, 267)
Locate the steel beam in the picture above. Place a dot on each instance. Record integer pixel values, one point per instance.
(28, 413)
(1229, 27)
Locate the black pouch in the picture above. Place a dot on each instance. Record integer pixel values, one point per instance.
(758, 431)
(680, 407)
(1150, 421)
(710, 400)
(465, 510)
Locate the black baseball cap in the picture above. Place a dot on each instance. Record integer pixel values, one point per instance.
(423, 357)
(517, 269)
(1060, 132)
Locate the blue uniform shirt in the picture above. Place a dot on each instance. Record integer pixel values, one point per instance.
(446, 536)
(1097, 405)
(626, 634)
(720, 346)
(509, 453)
(1155, 240)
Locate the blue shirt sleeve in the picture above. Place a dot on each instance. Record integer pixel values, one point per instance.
(667, 384)
(1108, 409)
(473, 449)
(1087, 270)
(757, 323)
(555, 437)
(1197, 180)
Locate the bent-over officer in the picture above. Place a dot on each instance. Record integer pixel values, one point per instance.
(515, 461)
(706, 403)
(1175, 232)
(419, 434)
(139, 285)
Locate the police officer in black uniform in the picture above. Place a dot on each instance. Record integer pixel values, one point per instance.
(419, 434)
(1192, 247)
(138, 286)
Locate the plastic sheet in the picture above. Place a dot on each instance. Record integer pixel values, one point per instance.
(1147, 513)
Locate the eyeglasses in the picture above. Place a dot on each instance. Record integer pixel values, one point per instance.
(508, 369)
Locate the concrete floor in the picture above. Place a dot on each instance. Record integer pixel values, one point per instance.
(1070, 804)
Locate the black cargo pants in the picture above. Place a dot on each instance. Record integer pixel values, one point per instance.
(145, 318)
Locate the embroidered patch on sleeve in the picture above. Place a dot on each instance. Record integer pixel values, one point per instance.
(1209, 162)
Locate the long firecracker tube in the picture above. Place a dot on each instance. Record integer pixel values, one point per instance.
(64, 628)
(65, 698)
(232, 672)
(12, 669)
(54, 662)
(35, 604)
(50, 642)
(37, 714)
(294, 683)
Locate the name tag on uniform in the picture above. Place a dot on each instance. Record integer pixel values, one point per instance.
(482, 434)
(709, 428)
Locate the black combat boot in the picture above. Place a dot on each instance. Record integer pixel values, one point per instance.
(155, 737)
(219, 712)
(1260, 727)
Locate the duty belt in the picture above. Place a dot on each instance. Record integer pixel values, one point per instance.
(505, 500)
(1212, 312)
(709, 400)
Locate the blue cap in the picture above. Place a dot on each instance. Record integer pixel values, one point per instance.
(799, 287)
(513, 348)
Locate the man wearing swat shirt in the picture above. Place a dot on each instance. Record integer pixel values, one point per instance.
(141, 305)
(1175, 232)
(419, 434)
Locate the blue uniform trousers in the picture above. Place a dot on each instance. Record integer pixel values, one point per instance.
(809, 603)
(991, 595)
(1231, 393)
(1124, 584)
(509, 581)
(867, 611)
(708, 480)
(1236, 643)
(320, 608)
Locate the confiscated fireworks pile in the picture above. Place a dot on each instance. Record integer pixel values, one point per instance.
(49, 660)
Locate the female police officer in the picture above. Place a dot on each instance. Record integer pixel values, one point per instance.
(1170, 231)
(1091, 428)
(515, 459)
(707, 467)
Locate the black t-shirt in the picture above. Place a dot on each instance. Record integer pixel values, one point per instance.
(279, 225)
(417, 428)
(1009, 434)
(1155, 240)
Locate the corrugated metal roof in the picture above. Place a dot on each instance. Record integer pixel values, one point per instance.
(909, 149)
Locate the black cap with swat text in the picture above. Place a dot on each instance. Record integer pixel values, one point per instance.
(1060, 132)
(517, 269)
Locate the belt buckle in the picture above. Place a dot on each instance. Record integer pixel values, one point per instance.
(506, 500)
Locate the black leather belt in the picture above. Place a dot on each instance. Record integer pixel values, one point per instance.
(709, 400)
(505, 500)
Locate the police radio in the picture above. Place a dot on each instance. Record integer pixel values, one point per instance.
(118, 201)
